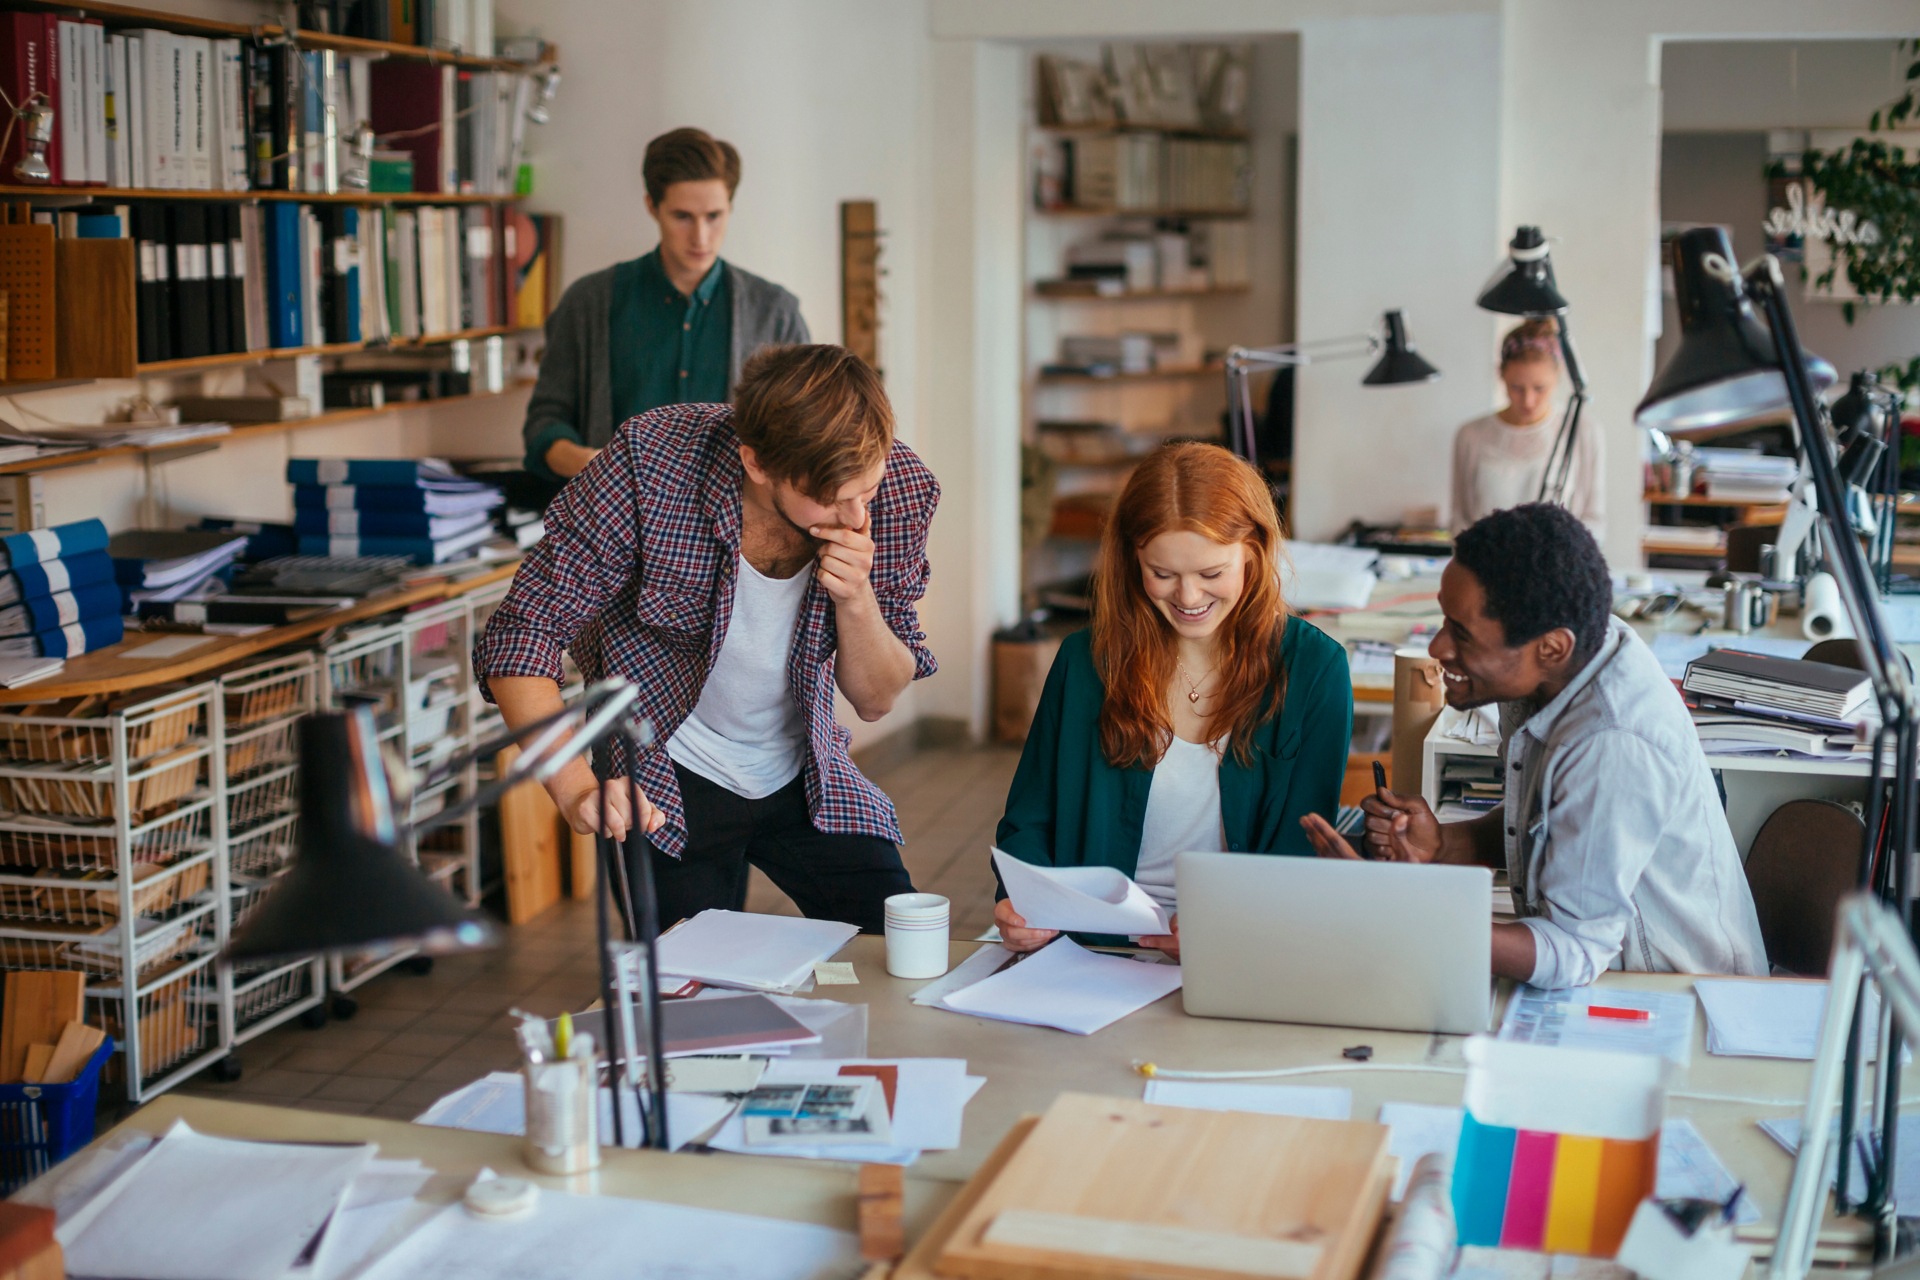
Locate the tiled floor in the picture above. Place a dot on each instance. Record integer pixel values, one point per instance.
(418, 1037)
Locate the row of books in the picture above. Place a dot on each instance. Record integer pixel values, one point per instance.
(1761, 704)
(152, 109)
(460, 26)
(218, 278)
(1140, 171)
(389, 507)
(59, 596)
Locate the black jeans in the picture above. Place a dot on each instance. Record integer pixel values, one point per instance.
(829, 877)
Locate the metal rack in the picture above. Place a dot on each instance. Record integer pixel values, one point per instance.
(439, 692)
(113, 866)
(254, 718)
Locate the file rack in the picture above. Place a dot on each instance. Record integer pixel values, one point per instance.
(255, 718)
(113, 866)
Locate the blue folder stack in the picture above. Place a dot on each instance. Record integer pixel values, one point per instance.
(389, 507)
(58, 597)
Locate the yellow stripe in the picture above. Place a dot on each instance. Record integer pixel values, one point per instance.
(1576, 1188)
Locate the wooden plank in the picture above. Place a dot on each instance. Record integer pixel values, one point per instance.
(919, 1262)
(39, 1057)
(584, 865)
(94, 309)
(1230, 1190)
(883, 1199)
(529, 844)
(76, 1045)
(39, 1004)
(860, 279)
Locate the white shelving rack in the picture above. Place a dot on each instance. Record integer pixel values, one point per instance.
(437, 675)
(256, 716)
(109, 821)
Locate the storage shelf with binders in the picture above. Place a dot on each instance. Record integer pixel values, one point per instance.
(109, 833)
(256, 712)
(1145, 259)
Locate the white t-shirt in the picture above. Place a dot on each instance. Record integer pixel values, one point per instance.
(746, 732)
(1183, 815)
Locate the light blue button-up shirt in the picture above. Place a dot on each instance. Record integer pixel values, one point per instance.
(1617, 843)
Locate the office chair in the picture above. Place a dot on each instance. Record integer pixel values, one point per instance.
(1803, 862)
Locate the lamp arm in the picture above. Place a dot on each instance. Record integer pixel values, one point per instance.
(551, 748)
(1240, 363)
(1558, 472)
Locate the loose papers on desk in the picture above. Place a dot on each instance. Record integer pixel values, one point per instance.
(1906, 1174)
(1762, 1018)
(1079, 899)
(926, 1101)
(1066, 986)
(497, 1103)
(1317, 575)
(157, 1220)
(750, 952)
(1561, 1018)
(606, 1238)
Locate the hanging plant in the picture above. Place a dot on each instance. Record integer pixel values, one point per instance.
(1866, 202)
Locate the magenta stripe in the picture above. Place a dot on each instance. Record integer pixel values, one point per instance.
(1529, 1190)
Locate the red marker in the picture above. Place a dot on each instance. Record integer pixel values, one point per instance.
(1617, 1014)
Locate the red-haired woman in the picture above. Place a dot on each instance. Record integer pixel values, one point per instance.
(1196, 714)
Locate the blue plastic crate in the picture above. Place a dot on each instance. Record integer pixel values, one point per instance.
(43, 1124)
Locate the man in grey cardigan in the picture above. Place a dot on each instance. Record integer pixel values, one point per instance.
(671, 327)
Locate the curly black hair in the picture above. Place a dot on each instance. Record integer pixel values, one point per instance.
(1541, 569)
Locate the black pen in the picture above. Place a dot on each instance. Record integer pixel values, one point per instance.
(1379, 784)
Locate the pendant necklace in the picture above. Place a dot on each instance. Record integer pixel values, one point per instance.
(1193, 686)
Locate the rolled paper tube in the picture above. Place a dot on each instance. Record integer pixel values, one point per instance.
(1421, 1245)
(1418, 696)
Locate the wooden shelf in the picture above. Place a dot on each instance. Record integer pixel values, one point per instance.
(1164, 130)
(243, 431)
(194, 364)
(111, 671)
(121, 15)
(1042, 293)
(1152, 375)
(1077, 211)
(81, 195)
(1702, 500)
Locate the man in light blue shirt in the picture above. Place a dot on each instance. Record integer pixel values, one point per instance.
(1611, 829)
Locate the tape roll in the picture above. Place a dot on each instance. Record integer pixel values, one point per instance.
(1822, 616)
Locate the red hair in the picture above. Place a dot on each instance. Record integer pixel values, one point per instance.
(1203, 489)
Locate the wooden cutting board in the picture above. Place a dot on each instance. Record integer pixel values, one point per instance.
(1115, 1189)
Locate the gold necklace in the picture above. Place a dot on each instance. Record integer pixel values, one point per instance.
(1193, 686)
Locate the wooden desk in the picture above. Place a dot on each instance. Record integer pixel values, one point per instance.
(109, 670)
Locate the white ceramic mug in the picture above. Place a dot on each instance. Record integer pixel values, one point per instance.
(917, 935)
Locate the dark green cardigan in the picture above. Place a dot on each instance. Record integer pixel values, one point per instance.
(1069, 808)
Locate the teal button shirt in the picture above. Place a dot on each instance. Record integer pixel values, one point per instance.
(1068, 807)
(665, 347)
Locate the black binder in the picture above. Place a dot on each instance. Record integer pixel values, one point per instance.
(193, 328)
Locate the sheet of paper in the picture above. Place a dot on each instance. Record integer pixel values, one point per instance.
(930, 1098)
(1415, 1129)
(1762, 1018)
(1563, 1018)
(751, 952)
(497, 1103)
(170, 647)
(203, 1208)
(1318, 575)
(613, 1238)
(983, 963)
(1313, 1102)
(1906, 1178)
(380, 1208)
(1066, 986)
(1079, 899)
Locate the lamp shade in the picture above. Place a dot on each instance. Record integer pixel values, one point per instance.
(1725, 371)
(1524, 284)
(349, 888)
(1399, 362)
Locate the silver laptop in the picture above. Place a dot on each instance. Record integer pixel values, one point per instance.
(1392, 945)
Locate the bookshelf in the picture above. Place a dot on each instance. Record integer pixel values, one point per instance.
(1215, 204)
(126, 15)
(52, 197)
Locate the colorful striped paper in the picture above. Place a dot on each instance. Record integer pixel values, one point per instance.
(1549, 1192)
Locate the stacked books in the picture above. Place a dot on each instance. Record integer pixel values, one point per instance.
(1752, 703)
(389, 507)
(58, 598)
(167, 565)
(1741, 475)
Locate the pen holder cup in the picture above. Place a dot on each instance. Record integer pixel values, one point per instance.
(1558, 1146)
(917, 925)
(562, 1116)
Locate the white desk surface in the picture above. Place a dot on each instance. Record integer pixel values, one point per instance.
(1025, 1068)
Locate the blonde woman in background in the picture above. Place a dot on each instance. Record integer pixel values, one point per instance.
(1498, 460)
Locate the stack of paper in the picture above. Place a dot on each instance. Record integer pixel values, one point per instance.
(1079, 899)
(1317, 575)
(1772, 1019)
(1061, 985)
(750, 952)
(202, 1208)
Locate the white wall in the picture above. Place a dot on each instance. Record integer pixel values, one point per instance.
(1399, 208)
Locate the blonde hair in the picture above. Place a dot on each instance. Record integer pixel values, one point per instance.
(1535, 338)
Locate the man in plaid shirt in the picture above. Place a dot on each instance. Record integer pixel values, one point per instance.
(737, 563)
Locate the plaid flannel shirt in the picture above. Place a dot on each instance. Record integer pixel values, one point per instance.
(635, 577)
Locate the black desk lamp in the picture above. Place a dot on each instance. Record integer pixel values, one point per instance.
(1734, 364)
(1524, 286)
(350, 889)
(1398, 364)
